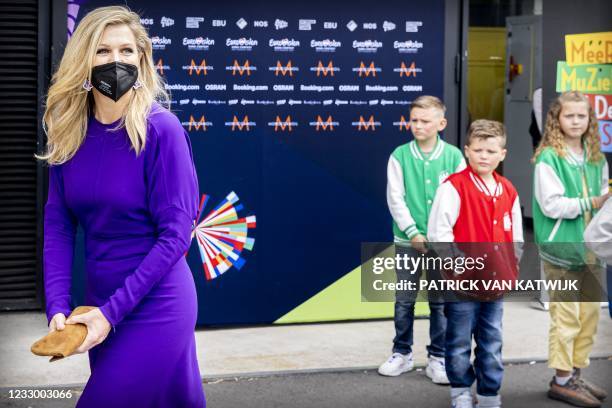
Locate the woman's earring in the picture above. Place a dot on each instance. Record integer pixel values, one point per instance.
(137, 84)
(87, 85)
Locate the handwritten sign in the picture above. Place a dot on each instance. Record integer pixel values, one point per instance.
(594, 79)
(585, 49)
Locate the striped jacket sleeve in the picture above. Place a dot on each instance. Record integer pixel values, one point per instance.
(396, 193)
(550, 194)
(598, 235)
(604, 178)
(444, 214)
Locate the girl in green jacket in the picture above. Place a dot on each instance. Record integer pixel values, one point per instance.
(570, 184)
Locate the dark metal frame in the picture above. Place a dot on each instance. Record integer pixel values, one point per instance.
(51, 43)
(455, 69)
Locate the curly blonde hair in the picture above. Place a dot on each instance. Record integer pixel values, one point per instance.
(67, 106)
(553, 135)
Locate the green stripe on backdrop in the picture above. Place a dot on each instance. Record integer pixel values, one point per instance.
(342, 301)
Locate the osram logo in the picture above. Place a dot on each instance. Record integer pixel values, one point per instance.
(407, 70)
(201, 124)
(287, 69)
(364, 70)
(244, 125)
(324, 70)
(160, 67)
(202, 68)
(283, 125)
(403, 124)
(364, 125)
(241, 69)
(324, 125)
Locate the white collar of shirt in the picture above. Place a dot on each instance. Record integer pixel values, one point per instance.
(576, 159)
(482, 187)
(435, 153)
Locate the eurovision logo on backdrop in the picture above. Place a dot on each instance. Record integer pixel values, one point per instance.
(222, 235)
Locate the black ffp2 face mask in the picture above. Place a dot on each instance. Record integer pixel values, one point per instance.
(114, 79)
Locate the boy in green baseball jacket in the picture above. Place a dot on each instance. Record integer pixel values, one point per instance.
(414, 172)
(570, 184)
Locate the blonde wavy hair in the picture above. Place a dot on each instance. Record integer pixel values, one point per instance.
(68, 103)
(553, 135)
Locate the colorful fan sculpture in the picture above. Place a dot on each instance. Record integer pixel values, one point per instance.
(222, 236)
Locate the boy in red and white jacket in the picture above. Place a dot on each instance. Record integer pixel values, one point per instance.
(477, 205)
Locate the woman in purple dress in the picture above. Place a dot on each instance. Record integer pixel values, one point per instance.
(121, 166)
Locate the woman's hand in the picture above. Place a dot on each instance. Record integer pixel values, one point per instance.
(97, 328)
(57, 322)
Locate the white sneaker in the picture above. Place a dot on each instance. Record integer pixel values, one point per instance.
(396, 365)
(436, 370)
(463, 400)
(488, 401)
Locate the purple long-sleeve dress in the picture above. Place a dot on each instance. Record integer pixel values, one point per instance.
(137, 214)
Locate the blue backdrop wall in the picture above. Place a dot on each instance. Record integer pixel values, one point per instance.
(295, 108)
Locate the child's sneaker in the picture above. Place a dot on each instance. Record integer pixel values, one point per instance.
(595, 390)
(573, 394)
(396, 365)
(436, 370)
(463, 400)
(488, 401)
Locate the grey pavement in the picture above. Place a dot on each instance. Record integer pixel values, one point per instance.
(279, 348)
(524, 385)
